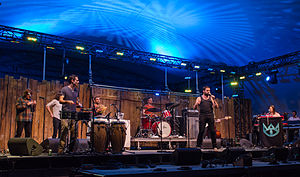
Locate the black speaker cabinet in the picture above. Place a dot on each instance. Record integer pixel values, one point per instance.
(50, 143)
(24, 147)
(187, 156)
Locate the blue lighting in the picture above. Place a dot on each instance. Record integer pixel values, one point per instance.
(216, 31)
(268, 78)
(157, 94)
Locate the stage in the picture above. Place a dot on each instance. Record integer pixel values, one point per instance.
(149, 163)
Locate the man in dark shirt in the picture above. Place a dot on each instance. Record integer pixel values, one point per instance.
(68, 99)
(25, 107)
(205, 104)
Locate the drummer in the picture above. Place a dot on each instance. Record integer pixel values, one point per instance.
(148, 105)
(99, 108)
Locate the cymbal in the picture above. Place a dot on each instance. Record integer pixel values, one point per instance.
(169, 104)
(153, 110)
(174, 105)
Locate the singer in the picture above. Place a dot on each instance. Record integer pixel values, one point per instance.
(205, 104)
(69, 100)
(25, 107)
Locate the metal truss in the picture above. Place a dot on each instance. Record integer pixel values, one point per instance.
(270, 64)
(16, 35)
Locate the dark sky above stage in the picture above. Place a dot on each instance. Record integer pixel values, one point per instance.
(231, 31)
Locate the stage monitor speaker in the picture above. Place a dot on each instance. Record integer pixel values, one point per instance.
(24, 147)
(206, 144)
(243, 160)
(231, 154)
(280, 153)
(81, 145)
(187, 156)
(50, 143)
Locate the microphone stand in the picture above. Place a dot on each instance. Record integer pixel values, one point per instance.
(44, 116)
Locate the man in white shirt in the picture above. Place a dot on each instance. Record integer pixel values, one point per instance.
(56, 106)
(294, 117)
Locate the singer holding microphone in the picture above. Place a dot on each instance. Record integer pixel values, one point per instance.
(69, 100)
(25, 107)
(205, 104)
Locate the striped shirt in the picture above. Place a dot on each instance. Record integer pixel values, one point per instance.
(24, 112)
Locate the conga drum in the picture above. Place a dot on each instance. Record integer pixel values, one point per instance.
(117, 136)
(100, 137)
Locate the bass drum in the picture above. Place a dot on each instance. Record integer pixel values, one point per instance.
(166, 128)
(100, 136)
(117, 136)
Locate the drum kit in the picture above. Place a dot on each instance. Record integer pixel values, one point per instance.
(153, 126)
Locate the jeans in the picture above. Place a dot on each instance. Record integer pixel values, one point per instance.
(203, 119)
(27, 125)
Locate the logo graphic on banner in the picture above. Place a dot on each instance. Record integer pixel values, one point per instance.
(271, 131)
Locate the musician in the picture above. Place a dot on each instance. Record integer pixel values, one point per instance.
(148, 105)
(293, 133)
(56, 106)
(25, 107)
(205, 104)
(69, 100)
(99, 108)
(294, 117)
(272, 112)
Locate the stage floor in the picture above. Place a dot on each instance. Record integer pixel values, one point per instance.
(138, 163)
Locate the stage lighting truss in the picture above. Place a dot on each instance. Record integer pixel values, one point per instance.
(15, 35)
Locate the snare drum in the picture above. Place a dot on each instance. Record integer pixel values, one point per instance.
(100, 137)
(117, 136)
(166, 114)
(166, 128)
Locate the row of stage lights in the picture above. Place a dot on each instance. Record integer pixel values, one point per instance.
(271, 77)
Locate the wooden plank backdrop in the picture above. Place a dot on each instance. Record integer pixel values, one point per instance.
(129, 102)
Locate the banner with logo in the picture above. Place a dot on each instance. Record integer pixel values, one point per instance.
(271, 132)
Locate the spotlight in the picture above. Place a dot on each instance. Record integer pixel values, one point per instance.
(210, 69)
(272, 77)
(232, 72)
(251, 75)
(187, 90)
(234, 96)
(32, 39)
(99, 51)
(196, 67)
(222, 70)
(242, 77)
(156, 94)
(66, 77)
(258, 74)
(234, 83)
(152, 59)
(79, 47)
(187, 77)
(49, 47)
(183, 64)
(120, 53)
(268, 78)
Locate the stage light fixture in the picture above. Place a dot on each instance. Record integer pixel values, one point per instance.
(272, 77)
(187, 77)
(242, 77)
(258, 74)
(156, 94)
(196, 67)
(234, 96)
(99, 51)
(152, 59)
(188, 91)
(268, 78)
(234, 83)
(66, 77)
(17, 42)
(212, 72)
(251, 75)
(49, 47)
(32, 39)
(120, 53)
(56, 42)
(183, 64)
(232, 72)
(79, 47)
(222, 71)
(210, 69)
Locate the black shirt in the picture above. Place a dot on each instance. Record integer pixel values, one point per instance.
(206, 106)
(69, 94)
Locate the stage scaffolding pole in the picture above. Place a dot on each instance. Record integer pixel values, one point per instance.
(222, 81)
(166, 79)
(90, 70)
(44, 66)
(197, 83)
(63, 63)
